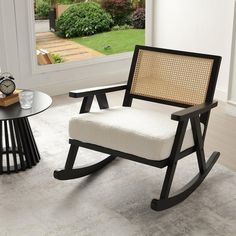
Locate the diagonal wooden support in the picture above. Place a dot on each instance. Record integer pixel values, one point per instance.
(199, 143)
(102, 101)
(181, 129)
(71, 157)
(86, 104)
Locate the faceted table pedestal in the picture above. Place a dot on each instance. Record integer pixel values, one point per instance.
(18, 150)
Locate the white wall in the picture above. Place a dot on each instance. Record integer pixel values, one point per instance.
(8, 43)
(197, 25)
(231, 106)
(2, 50)
(232, 84)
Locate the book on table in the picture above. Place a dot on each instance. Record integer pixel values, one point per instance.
(9, 100)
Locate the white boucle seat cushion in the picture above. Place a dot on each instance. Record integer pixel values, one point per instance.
(144, 133)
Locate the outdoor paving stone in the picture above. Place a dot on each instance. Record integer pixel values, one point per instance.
(67, 49)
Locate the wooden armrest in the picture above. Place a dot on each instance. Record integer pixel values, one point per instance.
(96, 90)
(193, 111)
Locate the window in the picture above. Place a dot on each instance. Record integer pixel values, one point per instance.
(58, 38)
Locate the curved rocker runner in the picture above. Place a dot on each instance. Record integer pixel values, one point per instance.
(170, 77)
(82, 171)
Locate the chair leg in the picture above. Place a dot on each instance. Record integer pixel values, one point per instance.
(166, 202)
(72, 173)
(168, 180)
(71, 157)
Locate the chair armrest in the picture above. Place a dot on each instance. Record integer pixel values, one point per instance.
(96, 90)
(193, 111)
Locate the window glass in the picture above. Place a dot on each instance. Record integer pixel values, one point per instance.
(75, 30)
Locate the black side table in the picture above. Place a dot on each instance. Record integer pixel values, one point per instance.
(18, 149)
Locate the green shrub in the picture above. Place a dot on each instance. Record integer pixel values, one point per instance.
(120, 10)
(42, 9)
(83, 19)
(138, 18)
(122, 27)
(57, 58)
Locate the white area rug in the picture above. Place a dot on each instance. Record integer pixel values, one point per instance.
(114, 201)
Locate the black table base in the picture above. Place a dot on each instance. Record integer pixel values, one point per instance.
(18, 149)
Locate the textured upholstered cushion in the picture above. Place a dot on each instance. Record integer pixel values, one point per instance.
(145, 133)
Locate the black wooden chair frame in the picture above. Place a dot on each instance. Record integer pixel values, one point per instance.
(194, 114)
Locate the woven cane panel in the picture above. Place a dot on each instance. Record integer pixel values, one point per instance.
(177, 78)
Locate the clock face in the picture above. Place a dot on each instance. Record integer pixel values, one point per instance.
(7, 86)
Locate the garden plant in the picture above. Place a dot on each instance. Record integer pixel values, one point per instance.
(83, 19)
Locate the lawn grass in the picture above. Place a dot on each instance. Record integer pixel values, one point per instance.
(114, 41)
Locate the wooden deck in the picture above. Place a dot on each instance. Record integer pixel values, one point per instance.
(67, 49)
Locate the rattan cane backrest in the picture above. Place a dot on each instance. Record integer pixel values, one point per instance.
(173, 77)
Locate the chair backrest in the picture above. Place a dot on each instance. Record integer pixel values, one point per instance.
(172, 77)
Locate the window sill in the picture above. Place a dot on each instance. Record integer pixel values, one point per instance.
(37, 69)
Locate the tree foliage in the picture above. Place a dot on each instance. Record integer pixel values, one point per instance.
(120, 10)
(138, 18)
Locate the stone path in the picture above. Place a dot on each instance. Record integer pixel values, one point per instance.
(67, 49)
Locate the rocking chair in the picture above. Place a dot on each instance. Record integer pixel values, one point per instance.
(170, 77)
